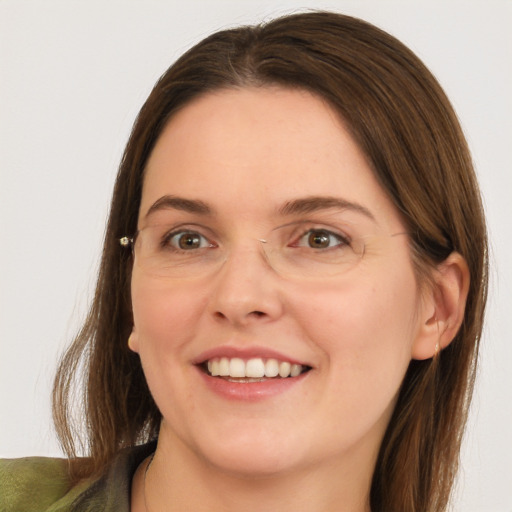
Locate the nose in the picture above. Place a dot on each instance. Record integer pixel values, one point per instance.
(246, 290)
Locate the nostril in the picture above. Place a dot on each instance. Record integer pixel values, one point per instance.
(220, 316)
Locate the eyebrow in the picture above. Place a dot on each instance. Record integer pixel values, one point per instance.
(179, 203)
(297, 206)
(316, 203)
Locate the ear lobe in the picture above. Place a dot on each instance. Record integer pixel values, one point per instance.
(444, 303)
(133, 341)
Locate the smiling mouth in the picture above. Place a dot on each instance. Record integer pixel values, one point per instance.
(235, 369)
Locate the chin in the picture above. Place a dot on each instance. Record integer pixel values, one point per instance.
(252, 457)
(253, 466)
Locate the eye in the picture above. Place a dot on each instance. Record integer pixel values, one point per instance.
(187, 240)
(321, 239)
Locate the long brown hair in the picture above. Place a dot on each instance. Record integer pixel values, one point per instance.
(402, 120)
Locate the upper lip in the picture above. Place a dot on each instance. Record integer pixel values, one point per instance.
(244, 353)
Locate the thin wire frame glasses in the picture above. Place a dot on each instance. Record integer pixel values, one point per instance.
(292, 250)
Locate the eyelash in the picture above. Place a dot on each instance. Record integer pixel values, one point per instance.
(166, 241)
(342, 239)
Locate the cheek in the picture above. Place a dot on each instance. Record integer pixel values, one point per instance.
(365, 327)
(165, 319)
(162, 313)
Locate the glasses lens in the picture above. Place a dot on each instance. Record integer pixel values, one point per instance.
(314, 253)
(166, 252)
(292, 252)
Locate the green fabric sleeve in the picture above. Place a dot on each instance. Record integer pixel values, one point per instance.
(42, 484)
(35, 484)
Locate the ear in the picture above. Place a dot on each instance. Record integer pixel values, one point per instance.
(443, 307)
(133, 341)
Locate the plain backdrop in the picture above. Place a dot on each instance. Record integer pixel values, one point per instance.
(73, 76)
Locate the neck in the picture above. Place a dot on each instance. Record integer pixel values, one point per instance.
(201, 487)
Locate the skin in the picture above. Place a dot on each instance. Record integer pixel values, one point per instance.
(246, 153)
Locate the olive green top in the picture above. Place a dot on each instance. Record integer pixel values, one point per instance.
(42, 484)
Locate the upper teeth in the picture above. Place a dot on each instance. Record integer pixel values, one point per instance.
(256, 368)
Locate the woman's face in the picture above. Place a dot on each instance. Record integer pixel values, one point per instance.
(227, 170)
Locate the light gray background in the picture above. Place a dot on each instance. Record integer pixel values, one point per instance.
(72, 78)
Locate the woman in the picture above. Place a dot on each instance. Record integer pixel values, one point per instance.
(292, 287)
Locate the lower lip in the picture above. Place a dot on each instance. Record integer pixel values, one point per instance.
(250, 391)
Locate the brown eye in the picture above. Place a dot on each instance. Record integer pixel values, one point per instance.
(188, 240)
(318, 239)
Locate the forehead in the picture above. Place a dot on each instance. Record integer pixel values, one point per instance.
(253, 149)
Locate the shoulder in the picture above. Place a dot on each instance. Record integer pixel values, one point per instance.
(43, 484)
(33, 484)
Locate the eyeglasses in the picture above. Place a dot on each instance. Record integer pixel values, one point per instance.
(294, 250)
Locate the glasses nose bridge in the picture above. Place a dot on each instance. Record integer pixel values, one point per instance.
(244, 286)
(248, 247)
